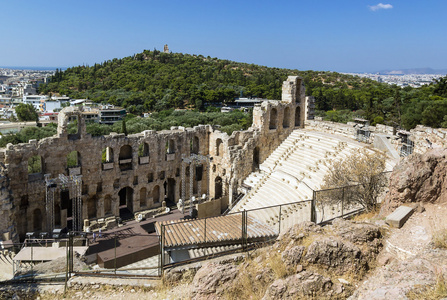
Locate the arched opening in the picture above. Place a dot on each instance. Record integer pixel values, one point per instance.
(125, 158)
(57, 215)
(255, 159)
(156, 194)
(170, 192)
(91, 207)
(143, 153)
(286, 119)
(273, 117)
(126, 203)
(143, 202)
(143, 150)
(170, 146)
(298, 116)
(107, 205)
(35, 164)
(107, 155)
(37, 220)
(217, 188)
(73, 128)
(219, 147)
(73, 159)
(195, 145)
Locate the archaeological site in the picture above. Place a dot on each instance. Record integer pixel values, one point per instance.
(264, 180)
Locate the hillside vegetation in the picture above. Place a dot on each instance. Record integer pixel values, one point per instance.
(155, 81)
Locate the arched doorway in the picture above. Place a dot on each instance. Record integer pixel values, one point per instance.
(217, 188)
(143, 193)
(126, 203)
(298, 116)
(107, 205)
(170, 191)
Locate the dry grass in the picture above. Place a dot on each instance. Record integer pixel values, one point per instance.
(367, 215)
(430, 292)
(439, 238)
(246, 285)
(274, 262)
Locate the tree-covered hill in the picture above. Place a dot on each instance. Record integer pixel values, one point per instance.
(155, 81)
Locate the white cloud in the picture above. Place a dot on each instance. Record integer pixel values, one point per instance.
(380, 6)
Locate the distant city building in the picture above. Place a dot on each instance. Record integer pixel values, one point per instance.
(111, 114)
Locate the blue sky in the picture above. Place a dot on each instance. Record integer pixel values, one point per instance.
(328, 35)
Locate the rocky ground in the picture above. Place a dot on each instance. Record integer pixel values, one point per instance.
(409, 259)
(363, 259)
(307, 261)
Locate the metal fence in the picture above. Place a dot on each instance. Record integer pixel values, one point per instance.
(249, 229)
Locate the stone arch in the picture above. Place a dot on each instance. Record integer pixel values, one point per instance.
(286, 118)
(298, 116)
(273, 118)
(195, 145)
(37, 220)
(35, 164)
(156, 194)
(219, 147)
(125, 158)
(107, 155)
(143, 197)
(218, 188)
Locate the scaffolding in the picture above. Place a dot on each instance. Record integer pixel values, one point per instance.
(73, 184)
(362, 134)
(407, 145)
(193, 160)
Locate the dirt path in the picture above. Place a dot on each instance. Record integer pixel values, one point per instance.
(409, 258)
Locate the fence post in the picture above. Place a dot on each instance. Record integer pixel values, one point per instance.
(279, 221)
(313, 212)
(114, 261)
(162, 249)
(244, 224)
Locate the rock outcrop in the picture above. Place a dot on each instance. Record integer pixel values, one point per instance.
(418, 178)
(211, 280)
(306, 261)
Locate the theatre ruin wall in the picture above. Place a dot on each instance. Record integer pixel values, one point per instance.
(135, 172)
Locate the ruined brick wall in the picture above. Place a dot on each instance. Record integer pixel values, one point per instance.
(138, 171)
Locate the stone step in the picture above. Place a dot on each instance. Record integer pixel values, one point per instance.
(398, 218)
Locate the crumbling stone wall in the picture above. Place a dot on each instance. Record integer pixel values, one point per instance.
(138, 182)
